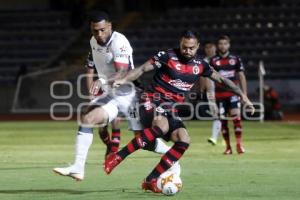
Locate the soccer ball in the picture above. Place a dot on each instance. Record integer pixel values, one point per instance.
(169, 183)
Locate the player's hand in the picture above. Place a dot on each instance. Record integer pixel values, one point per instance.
(96, 86)
(119, 82)
(245, 100)
(213, 110)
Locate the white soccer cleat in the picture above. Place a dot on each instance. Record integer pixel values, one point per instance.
(176, 168)
(212, 141)
(78, 175)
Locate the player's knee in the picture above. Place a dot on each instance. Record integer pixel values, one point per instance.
(88, 119)
(162, 123)
(163, 127)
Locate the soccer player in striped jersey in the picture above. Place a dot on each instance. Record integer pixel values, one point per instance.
(176, 71)
(230, 66)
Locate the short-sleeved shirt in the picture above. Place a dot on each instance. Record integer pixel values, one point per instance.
(108, 58)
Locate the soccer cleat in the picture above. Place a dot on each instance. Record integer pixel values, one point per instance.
(228, 151)
(71, 172)
(212, 141)
(240, 149)
(151, 185)
(111, 162)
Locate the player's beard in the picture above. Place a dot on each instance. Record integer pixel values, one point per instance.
(101, 42)
(187, 57)
(223, 52)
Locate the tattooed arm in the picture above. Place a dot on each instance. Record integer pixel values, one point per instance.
(215, 76)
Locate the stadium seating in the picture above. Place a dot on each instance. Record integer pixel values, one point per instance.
(271, 34)
(31, 39)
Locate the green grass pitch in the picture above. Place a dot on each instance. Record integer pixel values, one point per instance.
(270, 169)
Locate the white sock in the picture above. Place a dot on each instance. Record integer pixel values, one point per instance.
(160, 146)
(216, 128)
(83, 143)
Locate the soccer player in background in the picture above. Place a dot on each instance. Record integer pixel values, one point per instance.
(210, 51)
(176, 71)
(229, 66)
(112, 59)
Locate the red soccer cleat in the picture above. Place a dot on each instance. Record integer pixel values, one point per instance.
(240, 149)
(228, 151)
(151, 185)
(112, 160)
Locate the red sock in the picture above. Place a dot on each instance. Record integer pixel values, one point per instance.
(173, 155)
(225, 133)
(147, 136)
(237, 130)
(115, 140)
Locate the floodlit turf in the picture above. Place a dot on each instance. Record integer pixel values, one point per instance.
(269, 170)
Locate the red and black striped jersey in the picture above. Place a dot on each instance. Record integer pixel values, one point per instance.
(175, 75)
(228, 67)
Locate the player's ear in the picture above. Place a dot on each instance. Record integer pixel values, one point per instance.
(198, 44)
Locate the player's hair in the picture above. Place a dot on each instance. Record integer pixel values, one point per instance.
(223, 37)
(189, 34)
(209, 43)
(98, 16)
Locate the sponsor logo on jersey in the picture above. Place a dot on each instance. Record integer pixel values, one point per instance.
(180, 84)
(232, 61)
(218, 63)
(227, 74)
(196, 69)
(123, 49)
(122, 55)
(197, 62)
(174, 58)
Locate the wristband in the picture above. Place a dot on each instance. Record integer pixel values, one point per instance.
(102, 80)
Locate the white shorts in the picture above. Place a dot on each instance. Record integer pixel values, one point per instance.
(114, 104)
(124, 105)
(134, 123)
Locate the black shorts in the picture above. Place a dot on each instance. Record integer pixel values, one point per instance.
(225, 104)
(147, 114)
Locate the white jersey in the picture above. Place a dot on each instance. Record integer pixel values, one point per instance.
(115, 54)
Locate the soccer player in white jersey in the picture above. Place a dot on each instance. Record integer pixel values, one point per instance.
(112, 57)
(112, 143)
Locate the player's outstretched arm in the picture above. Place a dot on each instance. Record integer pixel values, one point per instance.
(134, 74)
(243, 81)
(215, 76)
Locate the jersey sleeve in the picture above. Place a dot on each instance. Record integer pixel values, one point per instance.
(159, 59)
(207, 70)
(122, 52)
(90, 61)
(240, 66)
